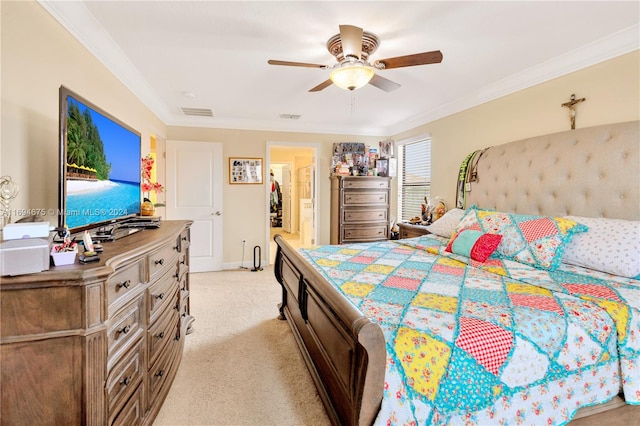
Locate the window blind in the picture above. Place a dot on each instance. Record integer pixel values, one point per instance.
(415, 177)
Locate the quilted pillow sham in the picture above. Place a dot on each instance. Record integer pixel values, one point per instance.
(474, 244)
(446, 225)
(538, 241)
(610, 245)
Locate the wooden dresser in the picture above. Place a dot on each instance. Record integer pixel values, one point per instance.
(359, 209)
(97, 344)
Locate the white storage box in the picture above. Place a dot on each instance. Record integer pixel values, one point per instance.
(26, 256)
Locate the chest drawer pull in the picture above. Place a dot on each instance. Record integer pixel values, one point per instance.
(125, 329)
(160, 373)
(160, 262)
(126, 381)
(159, 296)
(124, 284)
(160, 335)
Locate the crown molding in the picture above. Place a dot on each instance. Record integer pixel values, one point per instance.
(81, 24)
(609, 47)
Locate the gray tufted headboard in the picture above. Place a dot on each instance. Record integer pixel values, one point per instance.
(592, 172)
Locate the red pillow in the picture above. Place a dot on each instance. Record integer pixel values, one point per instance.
(474, 244)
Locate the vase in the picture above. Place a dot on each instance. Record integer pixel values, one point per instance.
(147, 208)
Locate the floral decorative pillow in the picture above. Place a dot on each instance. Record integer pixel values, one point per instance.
(538, 241)
(610, 245)
(446, 225)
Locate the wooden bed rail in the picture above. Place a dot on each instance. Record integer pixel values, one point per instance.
(343, 350)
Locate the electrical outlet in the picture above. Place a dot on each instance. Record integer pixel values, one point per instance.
(467, 187)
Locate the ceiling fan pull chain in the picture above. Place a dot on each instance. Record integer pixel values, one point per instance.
(353, 102)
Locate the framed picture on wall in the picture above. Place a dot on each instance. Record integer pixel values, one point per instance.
(245, 170)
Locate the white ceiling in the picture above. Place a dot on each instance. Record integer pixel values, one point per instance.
(218, 51)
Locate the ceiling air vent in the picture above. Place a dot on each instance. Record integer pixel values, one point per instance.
(197, 112)
(290, 116)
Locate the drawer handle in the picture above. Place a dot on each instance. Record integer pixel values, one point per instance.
(184, 238)
(160, 373)
(177, 307)
(126, 381)
(381, 198)
(177, 338)
(380, 215)
(183, 262)
(160, 296)
(124, 284)
(176, 248)
(160, 262)
(160, 335)
(125, 329)
(176, 276)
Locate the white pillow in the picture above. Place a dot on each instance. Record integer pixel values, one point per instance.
(610, 245)
(446, 225)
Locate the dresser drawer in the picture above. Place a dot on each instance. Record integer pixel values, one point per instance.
(161, 294)
(162, 331)
(365, 183)
(352, 215)
(372, 232)
(163, 259)
(124, 328)
(359, 198)
(132, 414)
(163, 369)
(184, 240)
(126, 376)
(124, 282)
(183, 263)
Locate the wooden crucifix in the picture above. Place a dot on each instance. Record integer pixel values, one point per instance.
(572, 108)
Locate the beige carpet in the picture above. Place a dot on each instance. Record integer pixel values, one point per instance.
(241, 365)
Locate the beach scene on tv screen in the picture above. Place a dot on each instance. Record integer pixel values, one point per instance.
(102, 168)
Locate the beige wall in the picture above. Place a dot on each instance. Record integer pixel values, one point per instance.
(38, 55)
(611, 89)
(244, 206)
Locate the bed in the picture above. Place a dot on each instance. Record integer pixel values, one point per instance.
(454, 327)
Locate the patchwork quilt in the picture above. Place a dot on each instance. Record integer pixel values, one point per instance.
(492, 343)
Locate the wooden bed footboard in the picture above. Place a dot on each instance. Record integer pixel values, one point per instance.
(343, 350)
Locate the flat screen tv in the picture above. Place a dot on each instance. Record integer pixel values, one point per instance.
(99, 166)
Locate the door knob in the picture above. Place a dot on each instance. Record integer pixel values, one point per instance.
(217, 213)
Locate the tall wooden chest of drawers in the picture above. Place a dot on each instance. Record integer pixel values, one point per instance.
(359, 208)
(97, 344)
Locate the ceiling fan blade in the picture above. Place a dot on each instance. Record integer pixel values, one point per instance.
(351, 39)
(322, 86)
(412, 60)
(383, 83)
(295, 64)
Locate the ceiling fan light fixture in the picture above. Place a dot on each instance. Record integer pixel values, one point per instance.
(351, 76)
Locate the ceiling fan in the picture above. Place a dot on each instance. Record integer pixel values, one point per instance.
(351, 48)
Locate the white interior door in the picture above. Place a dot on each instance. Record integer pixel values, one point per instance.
(286, 198)
(194, 191)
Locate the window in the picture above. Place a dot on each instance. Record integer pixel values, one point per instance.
(414, 183)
